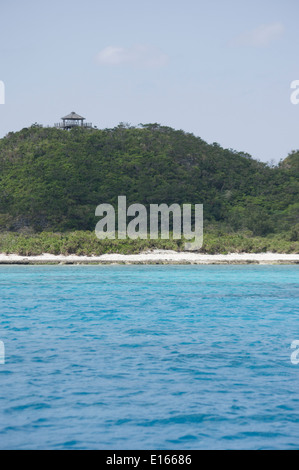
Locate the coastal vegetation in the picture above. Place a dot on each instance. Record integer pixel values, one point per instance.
(86, 243)
(51, 181)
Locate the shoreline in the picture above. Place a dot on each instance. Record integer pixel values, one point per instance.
(153, 257)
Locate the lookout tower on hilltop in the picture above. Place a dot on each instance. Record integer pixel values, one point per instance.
(73, 120)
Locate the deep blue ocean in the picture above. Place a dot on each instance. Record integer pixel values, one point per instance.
(149, 357)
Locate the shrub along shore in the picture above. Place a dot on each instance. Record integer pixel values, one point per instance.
(85, 243)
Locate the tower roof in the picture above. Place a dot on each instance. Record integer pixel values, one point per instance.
(74, 116)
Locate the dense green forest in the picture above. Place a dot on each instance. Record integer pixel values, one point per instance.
(52, 180)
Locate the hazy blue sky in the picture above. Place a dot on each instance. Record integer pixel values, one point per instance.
(220, 68)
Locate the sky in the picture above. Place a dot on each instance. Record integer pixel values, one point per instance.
(221, 70)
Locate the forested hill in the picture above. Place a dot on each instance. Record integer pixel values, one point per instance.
(53, 180)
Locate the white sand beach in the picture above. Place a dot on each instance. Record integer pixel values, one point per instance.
(155, 257)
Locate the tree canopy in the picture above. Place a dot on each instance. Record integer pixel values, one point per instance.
(53, 180)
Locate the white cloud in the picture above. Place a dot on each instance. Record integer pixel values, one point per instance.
(139, 55)
(262, 36)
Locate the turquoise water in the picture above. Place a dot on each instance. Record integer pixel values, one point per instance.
(149, 357)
